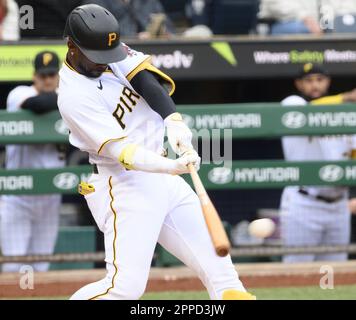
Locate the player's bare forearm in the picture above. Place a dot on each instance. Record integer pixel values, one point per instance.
(349, 96)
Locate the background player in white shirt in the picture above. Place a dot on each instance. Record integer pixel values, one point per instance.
(118, 112)
(29, 224)
(316, 215)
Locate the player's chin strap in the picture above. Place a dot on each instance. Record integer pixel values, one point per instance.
(232, 294)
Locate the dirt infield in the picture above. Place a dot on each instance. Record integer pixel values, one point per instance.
(64, 283)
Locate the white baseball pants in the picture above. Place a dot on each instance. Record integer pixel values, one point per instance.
(29, 225)
(135, 210)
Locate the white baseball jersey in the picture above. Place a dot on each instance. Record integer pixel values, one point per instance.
(135, 209)
(108, 109)
(317, 148)
(29, 156)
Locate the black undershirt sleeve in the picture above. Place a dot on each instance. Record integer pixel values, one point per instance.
(147, 85)
(42, 103)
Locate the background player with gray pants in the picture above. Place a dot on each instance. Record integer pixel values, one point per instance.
(29, 224)
(312, 216)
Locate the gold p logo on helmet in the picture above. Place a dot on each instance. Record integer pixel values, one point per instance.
(47, 58)
(307, 67)
(112, 37)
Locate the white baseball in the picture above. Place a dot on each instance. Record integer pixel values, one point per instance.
(261, 228)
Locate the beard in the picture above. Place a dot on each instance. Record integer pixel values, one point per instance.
(94, 73)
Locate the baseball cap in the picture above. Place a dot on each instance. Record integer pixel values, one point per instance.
(46, 62)
(311, 68)
(96, 32)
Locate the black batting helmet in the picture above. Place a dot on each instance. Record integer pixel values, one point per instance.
(96, 32)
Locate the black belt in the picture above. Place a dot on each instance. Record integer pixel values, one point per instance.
(321, 198)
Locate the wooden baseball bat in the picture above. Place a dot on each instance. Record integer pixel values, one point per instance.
(216, 229)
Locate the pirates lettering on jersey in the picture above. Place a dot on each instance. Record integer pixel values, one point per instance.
(128, 100)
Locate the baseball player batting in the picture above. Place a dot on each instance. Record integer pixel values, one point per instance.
(117, 110)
